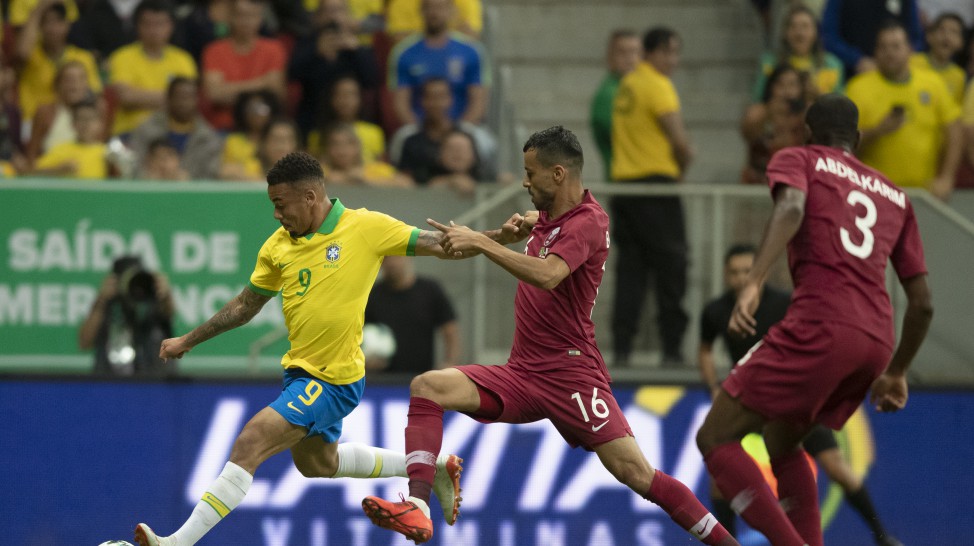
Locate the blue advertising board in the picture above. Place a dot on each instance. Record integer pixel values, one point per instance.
(83, 462)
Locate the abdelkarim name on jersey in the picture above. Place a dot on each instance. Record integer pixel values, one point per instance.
(855, 221)
(325, 279)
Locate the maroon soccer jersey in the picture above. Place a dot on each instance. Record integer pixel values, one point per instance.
(855, 219)
(554, 328)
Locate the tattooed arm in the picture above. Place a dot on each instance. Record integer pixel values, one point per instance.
(428, 244)
(236, 312)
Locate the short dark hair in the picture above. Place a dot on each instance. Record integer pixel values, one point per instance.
(833, 119)
(265, 133)
(296, 168)
(621, 33)
(155, 6)
(890, 25)
(739, 249)
(658, 37)
(430, 81)
(948, 16)
(159, 143)
(556, 145)
(58, 8)
(176, 82)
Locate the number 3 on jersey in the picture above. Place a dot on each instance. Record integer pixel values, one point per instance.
(863, 223)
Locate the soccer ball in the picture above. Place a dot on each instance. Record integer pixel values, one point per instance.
(116, 543)
(378, 340)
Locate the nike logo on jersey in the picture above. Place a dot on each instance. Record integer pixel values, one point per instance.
(598, 428)
(292, 406)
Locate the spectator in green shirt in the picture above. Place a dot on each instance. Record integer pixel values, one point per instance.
(624, 53)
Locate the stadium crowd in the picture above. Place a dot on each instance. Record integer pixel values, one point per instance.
(221, 89)
(395, 93)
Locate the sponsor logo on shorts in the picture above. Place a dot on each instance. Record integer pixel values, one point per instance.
(292, 406)
(598, 428)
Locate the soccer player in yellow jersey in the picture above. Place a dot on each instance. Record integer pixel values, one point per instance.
(323, 261)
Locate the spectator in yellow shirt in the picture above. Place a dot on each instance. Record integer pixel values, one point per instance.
(403, 17)
(162, 162)
(343, 105)
(945, 39)
(909, 121)
(83, 158)
(42, 47)
(279, 138)
(342, 162)
(140, 72)
(52, 123)
(20, 10)
(252, 113)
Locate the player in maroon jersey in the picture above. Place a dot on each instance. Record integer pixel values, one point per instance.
(555, 370)
(841, 221)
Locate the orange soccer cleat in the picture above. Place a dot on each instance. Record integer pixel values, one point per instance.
(402, 517)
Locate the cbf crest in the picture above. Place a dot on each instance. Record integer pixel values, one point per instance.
(333, 252)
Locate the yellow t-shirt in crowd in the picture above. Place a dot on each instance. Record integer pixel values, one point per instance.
(371, 136)
(967, 112)
(237, 148)
(909, 156)
(89, 157)
(130, 65)
(20, 10)
(325, 279)
(404, 16)
(37, 77)
(639, 144)
(953, 75)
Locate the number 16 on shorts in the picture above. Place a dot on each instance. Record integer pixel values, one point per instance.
(599, 408)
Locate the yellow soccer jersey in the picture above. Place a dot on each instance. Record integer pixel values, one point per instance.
(130, 65)
(325, 279)
(909, 156)
(639, 144)
(953, 75)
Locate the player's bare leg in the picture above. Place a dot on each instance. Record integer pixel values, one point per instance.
(266, 434)
(623, 459)
(735, 473)
(797, 492)
(430, 395)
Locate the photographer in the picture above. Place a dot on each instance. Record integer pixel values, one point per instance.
(129, 319)
(776, 122)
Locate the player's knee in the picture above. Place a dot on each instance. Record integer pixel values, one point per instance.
(425, 385)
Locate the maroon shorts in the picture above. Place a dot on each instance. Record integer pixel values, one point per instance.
(578, 401)
(808, 372)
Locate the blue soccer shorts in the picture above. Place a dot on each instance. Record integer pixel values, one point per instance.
(316, 405)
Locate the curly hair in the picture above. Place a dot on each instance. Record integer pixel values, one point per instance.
(296, 168)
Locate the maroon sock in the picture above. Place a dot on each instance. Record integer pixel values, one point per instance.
(799, 495)
(739, 479)
(424, 434)
(684, 508)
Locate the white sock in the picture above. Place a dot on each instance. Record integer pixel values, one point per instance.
(362, 461)
(221, 497)
(421, 504)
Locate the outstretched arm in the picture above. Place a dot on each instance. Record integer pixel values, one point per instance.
(236, 312)
(545, 273)
(516, 228)
(889, 392)
(786, 218)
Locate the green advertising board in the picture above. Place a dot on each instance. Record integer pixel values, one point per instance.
(59, 241)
